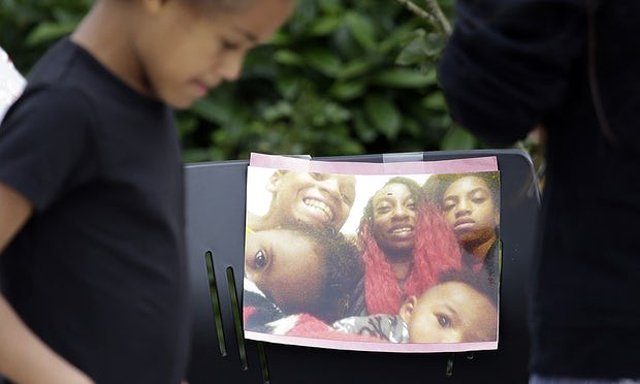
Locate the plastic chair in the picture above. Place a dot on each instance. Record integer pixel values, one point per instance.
(215, 233)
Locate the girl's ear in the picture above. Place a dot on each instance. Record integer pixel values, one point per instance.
(406, 311)
(274, 181)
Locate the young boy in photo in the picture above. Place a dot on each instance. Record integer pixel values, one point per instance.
(93, 266)
(461, 308)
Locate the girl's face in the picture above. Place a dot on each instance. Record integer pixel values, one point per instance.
(286, 267)
(394, 219)
(185, 50)
(451, 312)
(317, 199)
(470, 210)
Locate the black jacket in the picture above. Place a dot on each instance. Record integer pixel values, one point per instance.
(511, 65)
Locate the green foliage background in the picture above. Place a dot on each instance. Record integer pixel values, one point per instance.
(342, 77)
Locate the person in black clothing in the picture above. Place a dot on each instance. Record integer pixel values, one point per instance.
(93, 265)
(570, 66)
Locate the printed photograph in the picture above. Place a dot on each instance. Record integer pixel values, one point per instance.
(376, 257)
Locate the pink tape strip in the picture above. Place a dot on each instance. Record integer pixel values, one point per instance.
(476, 164)
(371, 347)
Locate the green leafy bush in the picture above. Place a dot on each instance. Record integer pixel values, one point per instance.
(342, 77)
(28, 27)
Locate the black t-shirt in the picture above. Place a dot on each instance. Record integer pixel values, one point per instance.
(99, 272)
(512, 65)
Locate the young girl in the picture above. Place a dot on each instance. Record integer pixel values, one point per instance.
(297, 269)
(93, 267)
(471, 205)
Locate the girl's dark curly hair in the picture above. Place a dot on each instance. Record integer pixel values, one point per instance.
(342, 270)
(477, 280)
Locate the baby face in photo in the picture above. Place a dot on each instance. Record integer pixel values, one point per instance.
(317, 199)
(450, 312)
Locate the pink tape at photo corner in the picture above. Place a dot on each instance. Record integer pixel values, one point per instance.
(477, 164)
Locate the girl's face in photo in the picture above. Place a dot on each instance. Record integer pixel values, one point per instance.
(470, 210)
(451, 312)
(286, 266)
(318, 199)
(394, 218)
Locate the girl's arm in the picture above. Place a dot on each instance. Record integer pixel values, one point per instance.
(24, 358)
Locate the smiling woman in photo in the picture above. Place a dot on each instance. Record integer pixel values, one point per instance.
(405, 243)
(308, 198)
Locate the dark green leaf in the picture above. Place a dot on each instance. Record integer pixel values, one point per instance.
(458, 138)
(383, 113)
(362, 29)
(49, 31)
(435, 101)
(366, 132)
(278, 111)
(211, 111)
(335, 113)
(348, 90)
(324, 61)
(288, 86)
(355, 68)
(404, 78)
(325, 26)
(287, 57)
